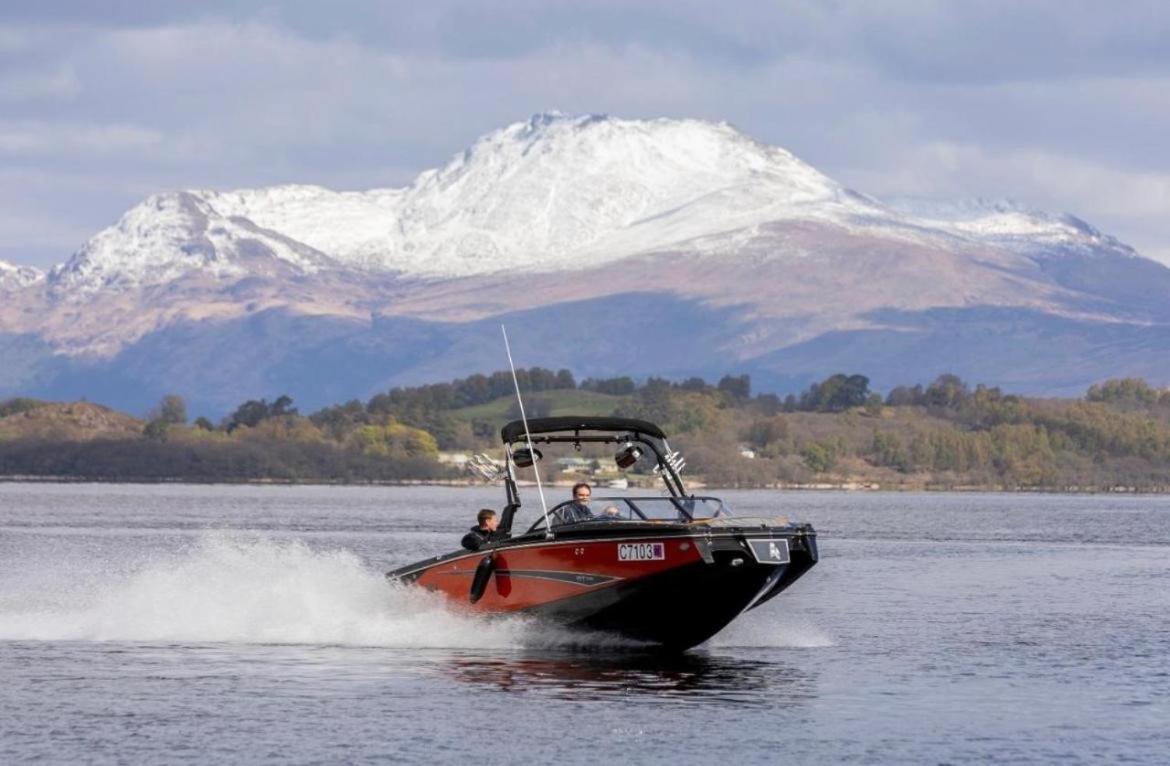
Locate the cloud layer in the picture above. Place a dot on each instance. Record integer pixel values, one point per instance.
(1061, 105)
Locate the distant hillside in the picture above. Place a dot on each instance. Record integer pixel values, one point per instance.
(837, 432)
(30, 419)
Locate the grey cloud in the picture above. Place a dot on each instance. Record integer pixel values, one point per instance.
(59, 83)
(1006, 41)
(356, 95)
(919, 40)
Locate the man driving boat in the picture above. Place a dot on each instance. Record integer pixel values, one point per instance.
(578, 510)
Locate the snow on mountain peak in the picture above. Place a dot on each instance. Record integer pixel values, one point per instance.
(1008, 223)
(169, 235)
(559, 192)
(554, 192)
(549, 193)
(15, 277)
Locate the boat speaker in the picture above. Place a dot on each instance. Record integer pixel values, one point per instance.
(627, 455)
(524, 458)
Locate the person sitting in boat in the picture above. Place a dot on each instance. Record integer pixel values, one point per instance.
(484, 532)
(611, 512)
(578, 510)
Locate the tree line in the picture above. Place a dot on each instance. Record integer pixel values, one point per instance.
(942, 433)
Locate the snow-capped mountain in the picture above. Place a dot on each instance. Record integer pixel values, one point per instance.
(549, 194)
(170, 235)
(13, 277)
(624, 247)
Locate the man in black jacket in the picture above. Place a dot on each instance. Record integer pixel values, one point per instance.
(484, 533)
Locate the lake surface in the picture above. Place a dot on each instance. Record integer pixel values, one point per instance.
(152, 624)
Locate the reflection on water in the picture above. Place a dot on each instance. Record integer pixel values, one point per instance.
(693, 678)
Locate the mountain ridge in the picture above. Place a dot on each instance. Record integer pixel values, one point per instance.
(571, 216)
(501, 205)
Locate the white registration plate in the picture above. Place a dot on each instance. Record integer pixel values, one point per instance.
(641, 552)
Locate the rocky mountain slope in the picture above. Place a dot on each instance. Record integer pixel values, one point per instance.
(612, 246)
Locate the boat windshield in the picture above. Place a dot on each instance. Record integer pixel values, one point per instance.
(618, 509)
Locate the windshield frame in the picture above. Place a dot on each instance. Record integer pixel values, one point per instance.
(642, 517)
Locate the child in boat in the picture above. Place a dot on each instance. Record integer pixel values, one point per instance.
(483, 533)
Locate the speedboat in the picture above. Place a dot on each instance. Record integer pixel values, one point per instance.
(670, 570)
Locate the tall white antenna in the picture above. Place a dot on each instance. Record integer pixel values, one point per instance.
(527, 436)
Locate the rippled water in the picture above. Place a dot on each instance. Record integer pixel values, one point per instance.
(168, 623)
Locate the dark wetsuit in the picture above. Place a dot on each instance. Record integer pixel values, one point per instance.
(477, 538)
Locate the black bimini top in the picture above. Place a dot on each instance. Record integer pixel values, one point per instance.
(514, 431)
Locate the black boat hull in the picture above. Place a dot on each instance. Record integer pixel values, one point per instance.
(698, 581)
(678, 609)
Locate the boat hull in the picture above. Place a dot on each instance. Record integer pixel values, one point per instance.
(669, 585)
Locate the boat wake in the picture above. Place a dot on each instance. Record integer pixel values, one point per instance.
(247, 589)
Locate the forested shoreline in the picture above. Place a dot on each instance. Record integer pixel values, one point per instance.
(945, 434)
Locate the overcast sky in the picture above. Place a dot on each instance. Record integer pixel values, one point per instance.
(1062, 105)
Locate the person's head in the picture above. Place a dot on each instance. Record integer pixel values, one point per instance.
(487, 519)
(611, 510)
(582, 493)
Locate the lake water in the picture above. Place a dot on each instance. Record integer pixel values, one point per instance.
(153, 624)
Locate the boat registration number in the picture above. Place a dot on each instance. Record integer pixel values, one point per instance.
(641, 552)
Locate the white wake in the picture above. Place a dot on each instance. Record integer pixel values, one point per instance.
(231, 588)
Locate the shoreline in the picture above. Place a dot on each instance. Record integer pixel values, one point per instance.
(842, 486)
